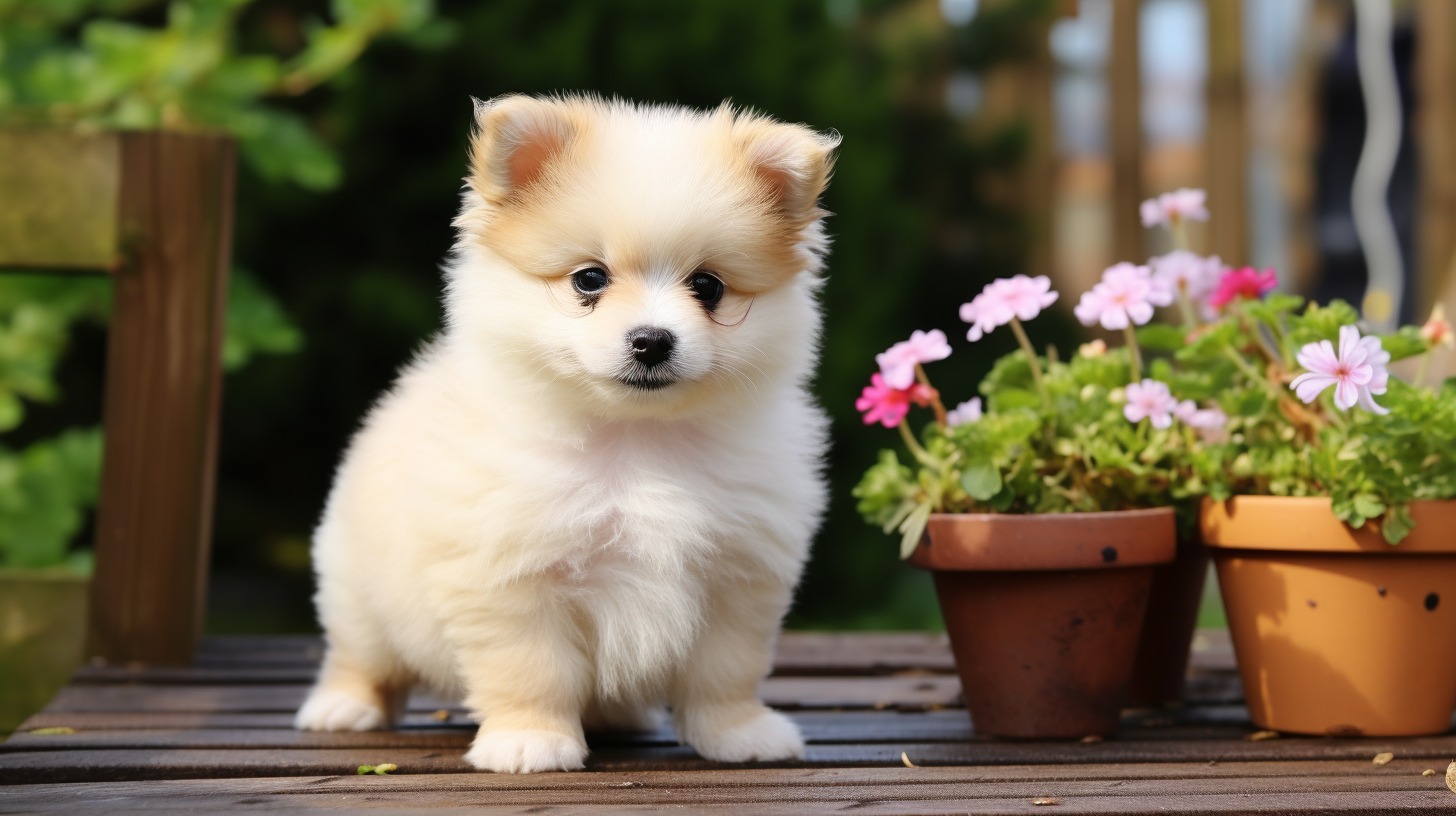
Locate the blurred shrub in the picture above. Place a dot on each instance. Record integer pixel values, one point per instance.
(142, 64)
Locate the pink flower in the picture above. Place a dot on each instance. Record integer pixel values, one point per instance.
(1182, 271)
(1126, 295)
(1170, 208)
(898, 363)
(1357, 371)
(888, 406)
(1209, 422)
(968, 411)
(1020, 297)
(1245, 283)
(1150, 400)
(1437, 330)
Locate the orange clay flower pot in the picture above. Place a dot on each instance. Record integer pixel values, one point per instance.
(1044, 613)
(1337, 632)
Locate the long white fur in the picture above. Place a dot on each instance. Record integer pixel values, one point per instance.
(514, 527)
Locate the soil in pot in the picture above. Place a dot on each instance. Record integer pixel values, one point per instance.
(1044, 613)
(1337, 632)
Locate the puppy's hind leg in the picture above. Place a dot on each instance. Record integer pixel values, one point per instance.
(352, 694)
(715, 697)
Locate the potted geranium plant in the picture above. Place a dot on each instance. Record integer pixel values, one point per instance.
(1043, 511)
(1331, 517)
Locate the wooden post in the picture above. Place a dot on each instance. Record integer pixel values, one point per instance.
(1436, 138)
(163, 396)
(1125, 93)
(1228, 135)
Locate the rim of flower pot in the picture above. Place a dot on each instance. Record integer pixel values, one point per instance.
(1047, 541)
(1308, 524)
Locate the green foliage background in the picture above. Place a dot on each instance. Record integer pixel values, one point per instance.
(346, 195)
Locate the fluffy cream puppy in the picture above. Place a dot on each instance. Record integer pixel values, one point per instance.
(592, 495)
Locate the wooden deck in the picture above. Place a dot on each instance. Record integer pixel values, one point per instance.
(216, 738)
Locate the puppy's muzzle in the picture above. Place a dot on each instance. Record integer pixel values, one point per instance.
(651, 346)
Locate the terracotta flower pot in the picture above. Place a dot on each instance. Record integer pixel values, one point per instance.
(1044, 613)
(1161, 667)
(1335, 631)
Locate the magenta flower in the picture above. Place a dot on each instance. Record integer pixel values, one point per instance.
(1150, 400)
(1357, 371)
(1019, 297)
(968, 411)
(888, 406)
(898, 363)
(1170, 208)
(1125, 296)
(1182, 271)
(1244, 283)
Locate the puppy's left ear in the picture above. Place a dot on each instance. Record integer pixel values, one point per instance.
(792, 163)
(516, 139)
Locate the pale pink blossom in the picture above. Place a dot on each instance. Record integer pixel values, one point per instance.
(1244, 283)
(888, 406)
(1182, 271)
(1125, 296)
(1020, 296)
(968, 411)
(1437, 330)
(1356, 370)
(1179, 205)
(1150, 400)
(1211, 423)
(898, 363)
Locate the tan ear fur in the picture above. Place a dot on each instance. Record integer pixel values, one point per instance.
(516, 138)
(792, 162)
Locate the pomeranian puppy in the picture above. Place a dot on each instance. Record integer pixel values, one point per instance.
(591, 496)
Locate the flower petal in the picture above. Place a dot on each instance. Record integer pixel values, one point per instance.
(1310, 385)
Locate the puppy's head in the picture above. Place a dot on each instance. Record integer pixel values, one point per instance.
(646, 257)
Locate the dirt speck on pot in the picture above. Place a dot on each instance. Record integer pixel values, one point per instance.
(1432, 601)
(1109, 555)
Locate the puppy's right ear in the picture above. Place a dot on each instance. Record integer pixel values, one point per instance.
(516, 138)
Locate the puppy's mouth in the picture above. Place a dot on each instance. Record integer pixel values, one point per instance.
(643, 382)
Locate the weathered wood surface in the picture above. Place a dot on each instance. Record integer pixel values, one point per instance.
(218, 738)
(163, 396)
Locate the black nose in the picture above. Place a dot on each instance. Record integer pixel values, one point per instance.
(651, 346)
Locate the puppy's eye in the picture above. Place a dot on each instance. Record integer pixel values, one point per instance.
(589, 281)
(706, 288)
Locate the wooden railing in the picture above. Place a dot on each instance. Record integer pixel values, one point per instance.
(154, 211)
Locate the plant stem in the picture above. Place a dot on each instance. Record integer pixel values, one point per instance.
(921, 454)
(1136, 355)
(1420, 379)
(1031, 359)
(1185, 307)
(935, 404)
(1179, 231)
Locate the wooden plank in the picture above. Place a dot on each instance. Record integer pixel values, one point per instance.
(1435, 122)
(1227, 139)
(58, 199)
(87, 765)
(633, 790)
(163, 395)
(787, 692)
(1228, 721)
(1125, 123)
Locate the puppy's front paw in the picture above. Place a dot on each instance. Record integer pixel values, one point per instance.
(526, 751)
(766, 737)
(333, 710)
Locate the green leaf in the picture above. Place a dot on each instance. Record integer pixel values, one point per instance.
(1406, 342)
(1368, 506)
(913, 528)
(1161, 337)
(982, 481)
